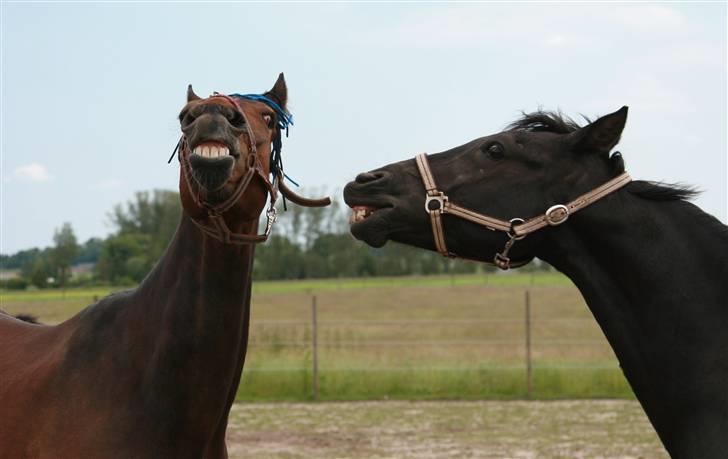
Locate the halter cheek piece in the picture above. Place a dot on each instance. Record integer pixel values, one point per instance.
(438, 204)
(214, 225)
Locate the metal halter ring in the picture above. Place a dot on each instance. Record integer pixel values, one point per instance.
(440, 198)
(511, 233)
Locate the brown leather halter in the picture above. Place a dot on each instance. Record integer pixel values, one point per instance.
(214, 224)
(515, 228)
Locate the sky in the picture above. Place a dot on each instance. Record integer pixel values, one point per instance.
(90, 91)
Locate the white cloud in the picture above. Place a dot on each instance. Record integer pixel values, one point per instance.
(552, 25)
(650, 18)
(458, 26)
(33, 172)
(646, 93)
(690, 54)
(559, 41)
(108, 184)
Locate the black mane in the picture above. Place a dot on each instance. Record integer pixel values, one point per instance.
(558, 123)
(31, 319)
(659, 191)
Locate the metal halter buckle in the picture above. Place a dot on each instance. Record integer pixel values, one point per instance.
(271, 216)
(440, 198)
(502, 261)
(556, 215)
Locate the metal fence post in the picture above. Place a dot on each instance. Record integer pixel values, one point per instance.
(529, 370)
(315, 348)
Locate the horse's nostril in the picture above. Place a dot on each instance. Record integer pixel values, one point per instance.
(366, 177)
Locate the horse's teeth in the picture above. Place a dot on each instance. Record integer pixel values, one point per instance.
(212, 151)
(359, 214)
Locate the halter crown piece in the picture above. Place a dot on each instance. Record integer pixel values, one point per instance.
(437, 204)
(214, 225)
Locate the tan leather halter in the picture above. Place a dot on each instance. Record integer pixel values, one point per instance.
(516, 228)
(214, 224)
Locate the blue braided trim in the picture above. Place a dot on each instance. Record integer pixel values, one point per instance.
(285, 119)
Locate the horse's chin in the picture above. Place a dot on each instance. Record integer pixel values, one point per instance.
(372, 230)
(211, 173)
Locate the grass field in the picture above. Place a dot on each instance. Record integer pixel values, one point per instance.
(426, 430)
(442, 337)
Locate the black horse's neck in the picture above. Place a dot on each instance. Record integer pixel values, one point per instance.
(654, 275)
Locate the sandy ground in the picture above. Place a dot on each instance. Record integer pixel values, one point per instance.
(485, 429)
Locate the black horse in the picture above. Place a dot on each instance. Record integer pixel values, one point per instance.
(652, 267)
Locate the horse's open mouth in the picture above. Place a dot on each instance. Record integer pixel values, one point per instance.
(361, 213)
(212, 163)
(370, 224)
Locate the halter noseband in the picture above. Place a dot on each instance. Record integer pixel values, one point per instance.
(516, 228)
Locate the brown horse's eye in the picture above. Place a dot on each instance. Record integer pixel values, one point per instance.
(268, 121)
(495, 150)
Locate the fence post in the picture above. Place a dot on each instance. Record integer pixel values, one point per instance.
(529, 371)
(315, 348)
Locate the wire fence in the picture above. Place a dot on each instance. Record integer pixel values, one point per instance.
(522, 344)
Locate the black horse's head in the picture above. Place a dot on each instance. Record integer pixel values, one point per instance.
(538, 161)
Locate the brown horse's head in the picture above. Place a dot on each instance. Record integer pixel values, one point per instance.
(223, 138)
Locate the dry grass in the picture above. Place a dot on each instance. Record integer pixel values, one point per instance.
(417, 337)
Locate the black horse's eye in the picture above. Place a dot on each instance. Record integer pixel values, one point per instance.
(495, 150)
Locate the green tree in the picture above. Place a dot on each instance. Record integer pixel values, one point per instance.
(155, 214)
(64, 251)
(124, 258)
(19, 259)
(144, 227)
(279, 258)
(90, 251)
(38, 270)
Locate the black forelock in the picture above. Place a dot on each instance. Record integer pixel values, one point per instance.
(545, 121)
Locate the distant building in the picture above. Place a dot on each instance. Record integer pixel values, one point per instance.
(82, 270)
(7, 274)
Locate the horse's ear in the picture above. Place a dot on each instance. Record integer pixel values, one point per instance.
(279, 93)
(191, 94)
(601, 135)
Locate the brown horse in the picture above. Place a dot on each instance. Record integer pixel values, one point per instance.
(651, 266)
(153, 372)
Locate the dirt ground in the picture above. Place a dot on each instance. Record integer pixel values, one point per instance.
(484, 429)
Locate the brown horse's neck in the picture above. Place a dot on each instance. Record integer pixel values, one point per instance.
(202, 288)
(650, 273)
(172, 350)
